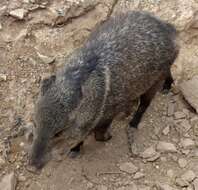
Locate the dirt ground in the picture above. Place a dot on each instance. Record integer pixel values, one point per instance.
(34, 42)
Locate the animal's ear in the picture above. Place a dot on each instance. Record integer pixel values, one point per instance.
(46, 83)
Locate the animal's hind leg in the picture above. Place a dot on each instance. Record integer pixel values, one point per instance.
(145, 101)
(167, 84)
(101, 131)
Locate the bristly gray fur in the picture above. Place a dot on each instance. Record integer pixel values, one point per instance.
(120, 61)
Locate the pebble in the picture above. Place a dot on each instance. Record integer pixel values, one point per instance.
(128, 167)
(46, 59)
(194, 121)
(3, 77)
(129, 187)
(195, 184)
(187, 143)
(149, 152)
(179, 115)
(8, 182)
(138, 175)
(170, 110)
(102, 187)
(166, 130)
(2, 162)
(189, 90)
(1, 26)
(185, 126)
(180, 182)
(166, 147)
(18, 13)
(170, 173)
(22, 178)
(188, 176)
(164, 187)
(182, 162)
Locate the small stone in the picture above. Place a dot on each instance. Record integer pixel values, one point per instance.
(102, 187)
(170, 173)
(165, 187)
(185, 126)
(3, 77)
(182, 162)
(22, 178)
(179, 115)
(22, 144)
(166, 147)
(166, 130)
(2, 162)
(89, 185)
(129, 187)
(180, 182)
(189, 90)
(18, 13)
(170, 110)
(186, 152)
(128, 167)
(188, 176)
(194, 121)
(8, 182)
(195, 184)
(149, 152)
(46, 59)
(1, 26)
(138, 175)
(187, 143)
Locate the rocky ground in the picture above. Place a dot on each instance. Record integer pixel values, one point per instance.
(35, 38)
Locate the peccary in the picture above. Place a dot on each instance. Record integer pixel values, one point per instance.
(126, 58)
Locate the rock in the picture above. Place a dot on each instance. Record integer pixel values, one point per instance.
(170, 173)
(46, 59)
(189, 90)
(1, 26)
(184, 126)
(180, 182)
(164, 187)
(129, 187)
(18, 13)
(179, 115)
(166, 130)
(187, 143)
(138, 175)
(195, 184)
(102, 187)
(3, 77)
(22, 178)
(2, 161)
(128, 167)
(149, 153)
(188, 176)
(166, 147)
(8, 182)
(170, 109)
(194, 121)
(182, 162)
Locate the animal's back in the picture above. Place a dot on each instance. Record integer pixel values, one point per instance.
(135, 49)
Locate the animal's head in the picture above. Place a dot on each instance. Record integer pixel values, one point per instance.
(60, 95)
(51, 115)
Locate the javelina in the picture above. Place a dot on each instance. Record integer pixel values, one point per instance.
(124, 59)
